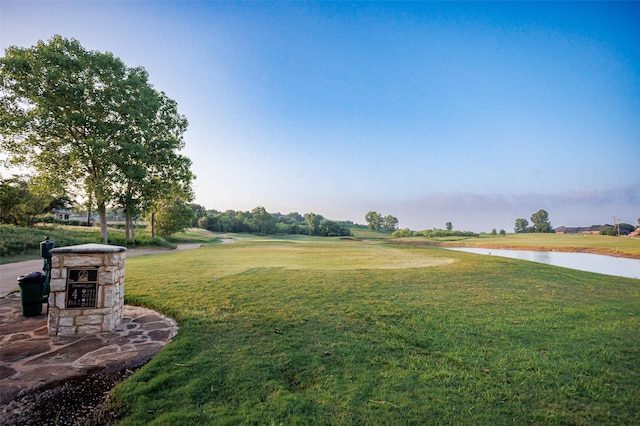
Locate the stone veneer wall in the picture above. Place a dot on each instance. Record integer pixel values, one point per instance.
(107, 315)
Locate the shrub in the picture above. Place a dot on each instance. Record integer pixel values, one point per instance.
(402, 233)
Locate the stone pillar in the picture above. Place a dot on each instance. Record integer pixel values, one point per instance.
(87, 289)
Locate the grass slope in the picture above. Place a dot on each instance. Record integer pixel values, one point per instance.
(335, 332)
(18, 243)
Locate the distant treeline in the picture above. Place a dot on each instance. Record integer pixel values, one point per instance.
(435, 233)
(262, 222)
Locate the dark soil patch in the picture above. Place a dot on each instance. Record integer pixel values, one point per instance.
(79, 401)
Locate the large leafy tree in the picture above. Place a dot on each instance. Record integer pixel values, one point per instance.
(313, 220)
(374, 220)
(541, 221)
(521, 225)
(23, 198)
(174, 217)
(87, 121)
(18, 203)
(153, 173)
(390, 223)
(262, 220)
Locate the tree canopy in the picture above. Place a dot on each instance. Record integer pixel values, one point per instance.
(541, 221)
(521, 225)
(86, 122)
(389, 223)
(375, 221)
(260, 221)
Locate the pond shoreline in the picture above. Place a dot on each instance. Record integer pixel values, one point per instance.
(591, 250)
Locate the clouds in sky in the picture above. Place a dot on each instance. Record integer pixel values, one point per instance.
(474, 113)
(501, 210)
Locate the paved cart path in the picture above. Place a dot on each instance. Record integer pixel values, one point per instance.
(10, 272)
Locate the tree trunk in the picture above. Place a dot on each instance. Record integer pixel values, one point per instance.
(153, 224)
(89, 212)
(102, 211)
(129, 230)
(126, 228)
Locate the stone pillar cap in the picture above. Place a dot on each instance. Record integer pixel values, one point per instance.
(89, 248)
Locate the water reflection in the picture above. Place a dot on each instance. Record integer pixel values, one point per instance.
(609, 265)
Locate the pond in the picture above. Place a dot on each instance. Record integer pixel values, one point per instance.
(609, 265)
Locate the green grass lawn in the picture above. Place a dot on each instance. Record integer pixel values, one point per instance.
(325, 331)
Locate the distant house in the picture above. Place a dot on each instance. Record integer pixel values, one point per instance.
(66, 215)
(61, 214)
(593, 229)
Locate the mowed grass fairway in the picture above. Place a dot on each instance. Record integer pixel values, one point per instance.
(326, 331)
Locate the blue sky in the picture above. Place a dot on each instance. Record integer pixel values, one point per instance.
(470, 113)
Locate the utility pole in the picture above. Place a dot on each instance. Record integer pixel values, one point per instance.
(616, 223)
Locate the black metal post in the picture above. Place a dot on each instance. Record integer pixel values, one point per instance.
(45, 252)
